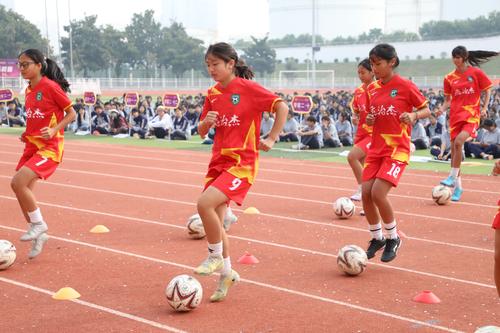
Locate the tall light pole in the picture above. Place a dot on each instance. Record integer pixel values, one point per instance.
(58, 32)
(70, 43)
(313, 59)
(47, 29)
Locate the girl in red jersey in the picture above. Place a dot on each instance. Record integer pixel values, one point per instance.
(390, 103)
(496, 226)
(462, 89)
(234, 106)
(363, 137)
(48, 112)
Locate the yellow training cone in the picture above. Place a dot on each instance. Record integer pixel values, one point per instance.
(65, 294)
(99, 229)
(251, 210)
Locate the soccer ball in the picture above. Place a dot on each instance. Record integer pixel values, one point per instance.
(195, 227)
(441, 194)
(7, 254)
(344, 208)
(352, 260)
(184, 293)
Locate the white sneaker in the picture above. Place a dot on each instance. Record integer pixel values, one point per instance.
(356, 196)
(229, 219)
(37, 245)
(35, 230)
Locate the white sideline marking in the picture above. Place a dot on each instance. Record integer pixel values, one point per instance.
(260, 284)
(274, 244)
(96, 306)
(263, 214)
(430, 218)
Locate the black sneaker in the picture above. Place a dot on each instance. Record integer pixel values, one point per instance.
(391, 249)
(375, 245)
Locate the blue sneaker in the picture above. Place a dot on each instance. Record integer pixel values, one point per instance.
(450, 181)
(457, 193)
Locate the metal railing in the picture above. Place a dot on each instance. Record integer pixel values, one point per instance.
(120, 85)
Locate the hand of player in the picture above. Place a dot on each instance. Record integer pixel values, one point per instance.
(370, 119)
(484, 112)
(266, 144)
(47, 133)
(22, 138)
(407, 117)
(440, 156)
(211, 117)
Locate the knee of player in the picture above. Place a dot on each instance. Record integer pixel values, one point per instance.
(15, 184)
(203, 204)
(366, 194)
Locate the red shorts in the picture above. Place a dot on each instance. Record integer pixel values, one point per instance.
(42, 166)
(234, 188)
(463, 126)
(363, 143)
(384, 168)
(496, 222)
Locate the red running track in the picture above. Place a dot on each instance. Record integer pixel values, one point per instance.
(145, 195)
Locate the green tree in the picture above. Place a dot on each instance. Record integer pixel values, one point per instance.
(119, 52)
(260, 56)
(89, 53)
(179, 51)
(144, 36)
(18, 34)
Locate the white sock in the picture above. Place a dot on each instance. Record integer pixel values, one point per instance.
(215, 250)
(226, 270)
(391, 230)
(458, 182)
(35, 216)
(454, 172)
(376, 231)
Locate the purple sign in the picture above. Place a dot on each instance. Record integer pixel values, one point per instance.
(6, 95)
(171, 101)
(302, 104)
(8, 68)
(89, 98)
(131, 99)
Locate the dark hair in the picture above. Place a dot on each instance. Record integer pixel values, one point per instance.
(311, 119)
(488, 122)
(326, 118)
(366, 64)
(475, 58)
(226, 52)
(134, 110)
(98, 106)
(49, 67)
(386, 52)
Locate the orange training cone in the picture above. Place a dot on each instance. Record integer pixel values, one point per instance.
(427, 297)
(248, 259)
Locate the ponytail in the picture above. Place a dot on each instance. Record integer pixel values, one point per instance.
(226, 52)
(474, 58)
(242, 70)
(49, 68)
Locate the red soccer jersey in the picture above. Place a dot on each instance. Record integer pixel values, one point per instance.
(240, 106)
(391, 137)
(45, 106)
(465, 91)
(358, 106)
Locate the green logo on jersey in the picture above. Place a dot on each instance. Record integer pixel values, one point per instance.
(394, 92)
(235, 98)
(39, 96)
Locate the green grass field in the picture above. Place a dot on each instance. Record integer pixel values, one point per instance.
(429, 67)
(281, 150)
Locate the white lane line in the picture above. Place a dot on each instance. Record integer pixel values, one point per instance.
(261, 284)
(97, 307)
(139, 196)
(263, 169)
(273, 244)
(428, 217)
